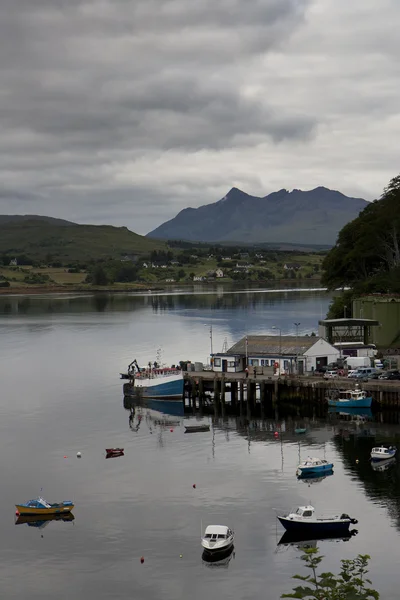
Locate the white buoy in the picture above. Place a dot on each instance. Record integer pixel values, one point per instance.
(78, 455)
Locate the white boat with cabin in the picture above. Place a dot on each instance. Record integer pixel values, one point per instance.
(383, 452)
(217, 538)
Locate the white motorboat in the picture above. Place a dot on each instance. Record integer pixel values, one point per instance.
(217, 539)
(383, 452)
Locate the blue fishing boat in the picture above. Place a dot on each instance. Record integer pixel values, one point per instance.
(356, 398)
(314, 465)
(304, 521)
(163, 383)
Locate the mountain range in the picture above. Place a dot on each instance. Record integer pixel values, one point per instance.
(298, 217)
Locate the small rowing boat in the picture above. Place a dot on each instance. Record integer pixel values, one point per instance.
(40, 506)
(111, 452)
(196, 428)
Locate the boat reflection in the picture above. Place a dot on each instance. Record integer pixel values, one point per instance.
(41, 521)
(311, 478)
(383, 465)
(303, 542)
(165, 407)
(220, 560)
(357, 414)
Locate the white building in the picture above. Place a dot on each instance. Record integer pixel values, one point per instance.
(285, 354)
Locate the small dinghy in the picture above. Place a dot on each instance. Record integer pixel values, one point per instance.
(314, 465)
(112, 452)
(196, 428)
(304, 521)
(217, 539)
(383, 452)
(300, 430)
(39, 506)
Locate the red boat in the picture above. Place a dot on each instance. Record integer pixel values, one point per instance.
(114, 452)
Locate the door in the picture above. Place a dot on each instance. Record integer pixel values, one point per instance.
(321, 361)
(300, 367)
(224, 366)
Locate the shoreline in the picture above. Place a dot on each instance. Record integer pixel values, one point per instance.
(32, 290)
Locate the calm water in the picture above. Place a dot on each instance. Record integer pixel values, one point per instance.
(59, 364)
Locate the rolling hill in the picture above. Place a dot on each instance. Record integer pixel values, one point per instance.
(310, 217)
(41, 237)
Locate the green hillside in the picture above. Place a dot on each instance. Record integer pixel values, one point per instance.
(40, 239)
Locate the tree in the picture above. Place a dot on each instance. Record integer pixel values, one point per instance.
(181, 274)
(98, 276)
(350, 584)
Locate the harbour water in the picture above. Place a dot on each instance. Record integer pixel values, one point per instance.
(60, 394)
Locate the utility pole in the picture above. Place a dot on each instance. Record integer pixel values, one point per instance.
(297, 346)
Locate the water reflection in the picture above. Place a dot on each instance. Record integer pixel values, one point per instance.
(42, 521)
(220, 561)
(303, 542)
(311, 479)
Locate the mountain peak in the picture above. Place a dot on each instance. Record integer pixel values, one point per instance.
(297, 217)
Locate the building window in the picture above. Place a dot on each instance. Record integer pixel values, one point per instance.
(264, 362)
(231, 363)
(255, 362)
(217, 362)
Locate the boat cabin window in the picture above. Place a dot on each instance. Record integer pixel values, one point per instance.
(307, 513)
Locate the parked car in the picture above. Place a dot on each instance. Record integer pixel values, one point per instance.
(377, 375)
(391, 375)
(330, 374)
(351, 372)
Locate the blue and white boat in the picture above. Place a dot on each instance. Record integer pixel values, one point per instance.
(304, 521)
(356, 398)
(313, 466)
(383, 453)
(162, 383)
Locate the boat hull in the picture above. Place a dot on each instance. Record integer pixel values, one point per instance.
(308, 528)
(360, 403)
(315, 469)
(166, 388)
(382, 458)
(53, 510)
(218, 551)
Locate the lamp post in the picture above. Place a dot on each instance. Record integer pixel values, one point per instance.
(280, 346)
(297, 346)
(211, 342)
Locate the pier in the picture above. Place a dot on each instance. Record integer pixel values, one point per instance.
(236, 394)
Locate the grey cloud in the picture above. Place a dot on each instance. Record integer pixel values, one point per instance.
(151, 106)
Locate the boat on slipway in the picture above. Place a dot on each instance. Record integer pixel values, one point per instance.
(356, 398)
(383, 453)
(303, 520)
(162, 383)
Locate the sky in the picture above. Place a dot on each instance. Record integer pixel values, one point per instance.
(127, 111)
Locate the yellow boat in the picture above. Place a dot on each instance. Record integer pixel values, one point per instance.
(39, 506)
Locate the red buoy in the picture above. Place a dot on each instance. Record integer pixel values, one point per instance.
(171, 430)
(142, 559)
(276, 434)
(194, 486)
(17, 513)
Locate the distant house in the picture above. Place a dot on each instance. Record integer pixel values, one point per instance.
(292, 266)
(226, 258)
(169, 280)
(145, 266)
(198, 278)
(175, 263)
(219, 273)
(13, 262)
(129, 258)
(244, 255)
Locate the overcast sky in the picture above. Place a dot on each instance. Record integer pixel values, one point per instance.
(126, 111)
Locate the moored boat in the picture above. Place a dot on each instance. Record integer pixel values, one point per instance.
(217, 539)
(303, 520)
(300, 430)
(110, 452)
(39, 506)
(356, 398)
(314, 465)
(383, 452)
(196, 428)
(154, 382)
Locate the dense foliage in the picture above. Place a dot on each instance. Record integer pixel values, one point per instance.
(366, 256)
(350, 584)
